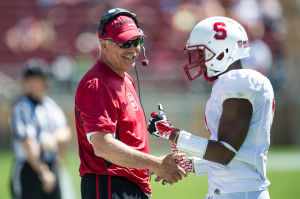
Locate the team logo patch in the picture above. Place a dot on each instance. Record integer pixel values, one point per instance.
(240, 43)
(132, 101)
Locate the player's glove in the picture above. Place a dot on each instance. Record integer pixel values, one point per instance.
(187, 165)
(157, 179)
(159, 124)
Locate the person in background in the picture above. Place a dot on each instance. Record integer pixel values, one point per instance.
(39, 128)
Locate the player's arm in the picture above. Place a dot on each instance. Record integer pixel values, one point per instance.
(111, 149)
(233, 128)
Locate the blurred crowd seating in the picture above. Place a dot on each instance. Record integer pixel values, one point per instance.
(64, 33)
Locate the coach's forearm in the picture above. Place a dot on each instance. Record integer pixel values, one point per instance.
(107, 147)
(111, 149)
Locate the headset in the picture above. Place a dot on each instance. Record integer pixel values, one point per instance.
(115, 12)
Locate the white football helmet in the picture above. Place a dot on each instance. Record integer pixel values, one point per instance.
(215, 42)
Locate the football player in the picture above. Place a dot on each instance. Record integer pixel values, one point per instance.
(239, 113)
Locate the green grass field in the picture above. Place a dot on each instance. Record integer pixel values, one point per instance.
(283, 172)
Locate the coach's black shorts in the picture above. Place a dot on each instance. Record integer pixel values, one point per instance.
(26, 184)
(109, 187)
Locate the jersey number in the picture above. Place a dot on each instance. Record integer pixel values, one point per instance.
(221, 33)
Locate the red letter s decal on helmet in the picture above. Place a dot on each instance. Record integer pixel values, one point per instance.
(221, 33)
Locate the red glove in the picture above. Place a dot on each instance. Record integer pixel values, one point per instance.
(159, 124)
(187, 166)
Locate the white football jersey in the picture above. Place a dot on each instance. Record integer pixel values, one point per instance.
(247, 170)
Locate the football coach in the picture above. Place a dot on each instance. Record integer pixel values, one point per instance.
(110, 122)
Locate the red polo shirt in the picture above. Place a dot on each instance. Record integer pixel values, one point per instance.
(107, 102)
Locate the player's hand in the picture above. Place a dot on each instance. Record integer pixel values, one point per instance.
(187, 166)
(162, 112)
(168, 170)
(159, 124)
(157, 179)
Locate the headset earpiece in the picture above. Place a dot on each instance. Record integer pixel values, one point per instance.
(113, 13)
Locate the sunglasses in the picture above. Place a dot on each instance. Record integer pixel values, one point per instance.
(129, 43)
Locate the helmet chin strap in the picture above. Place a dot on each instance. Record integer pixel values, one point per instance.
(211, 79)
(210, 73)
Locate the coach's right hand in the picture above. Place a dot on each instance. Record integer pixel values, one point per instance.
(168, 170)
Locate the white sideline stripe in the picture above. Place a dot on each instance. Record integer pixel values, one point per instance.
(280, 161)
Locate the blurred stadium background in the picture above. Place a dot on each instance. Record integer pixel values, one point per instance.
(63, 33)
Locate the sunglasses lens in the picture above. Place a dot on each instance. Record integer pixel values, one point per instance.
(136, 42)
(128, 43)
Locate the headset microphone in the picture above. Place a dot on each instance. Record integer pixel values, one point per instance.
(145, 61)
